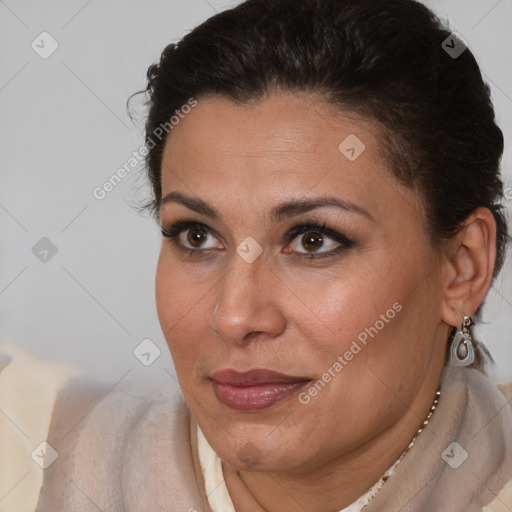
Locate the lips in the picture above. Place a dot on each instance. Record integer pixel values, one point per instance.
(254, 390)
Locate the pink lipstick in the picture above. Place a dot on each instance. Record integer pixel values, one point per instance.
(254, 390)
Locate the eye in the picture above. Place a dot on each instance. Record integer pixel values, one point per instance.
(313, 241)
(191, 236)
(317, 240)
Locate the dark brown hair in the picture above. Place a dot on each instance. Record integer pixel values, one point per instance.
(381, 59)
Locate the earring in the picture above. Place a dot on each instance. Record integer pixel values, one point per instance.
(462, 351)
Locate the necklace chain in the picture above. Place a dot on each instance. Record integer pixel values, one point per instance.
(365, 500)
(423, 425)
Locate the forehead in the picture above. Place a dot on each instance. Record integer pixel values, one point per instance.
(286, 145)
(280, 120)
(275, 132)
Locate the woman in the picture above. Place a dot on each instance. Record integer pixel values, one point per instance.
(326, 175)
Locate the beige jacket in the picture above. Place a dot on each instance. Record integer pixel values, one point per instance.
(125, 450)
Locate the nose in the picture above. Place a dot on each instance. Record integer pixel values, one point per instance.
(247, 306)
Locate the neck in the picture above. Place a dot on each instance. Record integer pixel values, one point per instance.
(341, 481)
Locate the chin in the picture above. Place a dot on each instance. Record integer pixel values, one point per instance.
(256, 447)
(258, 456)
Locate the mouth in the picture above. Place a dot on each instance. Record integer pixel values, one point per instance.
(256, 389)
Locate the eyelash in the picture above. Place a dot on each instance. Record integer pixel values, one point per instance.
(172, 231)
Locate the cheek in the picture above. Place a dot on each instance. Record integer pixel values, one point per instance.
(334, 310)
(383, 340)
(177, 295)
(164, 284)
(178, 307)
(370, 314)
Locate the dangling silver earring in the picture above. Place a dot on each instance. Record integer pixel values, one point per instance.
(462, 351)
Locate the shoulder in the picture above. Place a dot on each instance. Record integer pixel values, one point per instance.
(73, 443)
(120, 448)
(503, 501)
(29, 387)
(506, 389)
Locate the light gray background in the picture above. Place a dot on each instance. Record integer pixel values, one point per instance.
(64, 131)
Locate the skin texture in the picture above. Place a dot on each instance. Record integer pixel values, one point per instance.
(294, 315)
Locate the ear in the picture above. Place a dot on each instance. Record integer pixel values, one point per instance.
(469, 266)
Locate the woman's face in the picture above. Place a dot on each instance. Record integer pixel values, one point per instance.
(348, 318)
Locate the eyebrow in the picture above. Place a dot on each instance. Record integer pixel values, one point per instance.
(276, 214)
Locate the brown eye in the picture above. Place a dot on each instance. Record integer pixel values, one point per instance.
(315, 240)
(312, 241)
(197, 236)
(192, 237)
